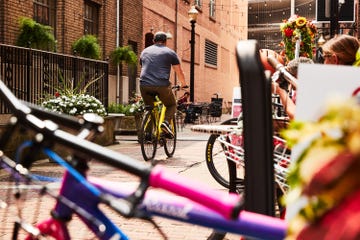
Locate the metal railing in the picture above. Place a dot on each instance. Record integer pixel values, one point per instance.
(33, 75)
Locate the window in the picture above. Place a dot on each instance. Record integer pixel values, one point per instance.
(91, 18)
(45, 12)
(198, 3)
(211, 53)
(212, 9)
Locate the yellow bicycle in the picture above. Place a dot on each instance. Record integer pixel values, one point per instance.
(152, 136)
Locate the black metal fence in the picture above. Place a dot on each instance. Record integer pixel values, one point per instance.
(34, 75)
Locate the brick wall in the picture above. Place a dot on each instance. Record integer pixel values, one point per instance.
(137, 18)
(70, 26)
(132, 25)
(70, 23)
(12, 11)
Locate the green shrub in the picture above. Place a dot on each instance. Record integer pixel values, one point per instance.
(35, 35)
(123, 54)
(130, 109)
(87, 46)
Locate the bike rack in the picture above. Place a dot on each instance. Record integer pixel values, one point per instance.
(258, 130)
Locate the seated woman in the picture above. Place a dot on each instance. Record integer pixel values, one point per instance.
(182, 102)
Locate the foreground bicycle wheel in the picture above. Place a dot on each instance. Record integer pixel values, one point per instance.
(148, 136)
(170, 143)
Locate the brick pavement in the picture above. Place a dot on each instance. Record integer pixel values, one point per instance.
(188, 160)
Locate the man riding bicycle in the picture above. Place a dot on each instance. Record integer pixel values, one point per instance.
(156, 62)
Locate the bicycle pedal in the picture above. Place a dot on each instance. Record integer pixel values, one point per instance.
(166, 135)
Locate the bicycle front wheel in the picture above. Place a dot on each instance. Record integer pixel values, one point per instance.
(148, 136)
(170, 143)
(218, 153)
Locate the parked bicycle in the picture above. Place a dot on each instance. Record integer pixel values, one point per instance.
(151, 135)
(226, 144)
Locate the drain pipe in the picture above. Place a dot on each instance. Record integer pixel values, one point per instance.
(175, 35)
(117, 45)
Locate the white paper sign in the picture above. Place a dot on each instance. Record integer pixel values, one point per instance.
(319, 83)
(236, 108)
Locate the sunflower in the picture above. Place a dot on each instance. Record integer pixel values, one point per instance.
(300, 21)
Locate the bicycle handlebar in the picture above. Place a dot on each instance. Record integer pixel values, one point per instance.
(223, 202)
(281, 68)
(229, 206)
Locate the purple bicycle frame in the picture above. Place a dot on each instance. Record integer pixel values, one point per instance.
(154, 203)
(182, 209)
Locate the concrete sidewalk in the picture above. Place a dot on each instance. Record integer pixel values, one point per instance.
(184, 133)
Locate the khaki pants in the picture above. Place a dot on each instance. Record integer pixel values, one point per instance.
(164, 93)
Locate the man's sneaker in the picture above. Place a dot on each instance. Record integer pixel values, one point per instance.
(165, 126)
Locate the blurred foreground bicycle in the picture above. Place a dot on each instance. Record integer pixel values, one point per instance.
(194, 202)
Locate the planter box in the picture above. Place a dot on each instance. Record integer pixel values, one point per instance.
(106, 138)
(126, 125)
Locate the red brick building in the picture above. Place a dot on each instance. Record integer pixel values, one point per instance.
(112, 21)
(220, 24)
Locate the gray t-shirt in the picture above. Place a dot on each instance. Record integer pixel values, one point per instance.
(156, 62)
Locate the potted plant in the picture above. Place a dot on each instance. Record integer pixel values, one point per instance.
(131, 112)
(87, 46)
(35, 35)
(123, 54)
(75, 101)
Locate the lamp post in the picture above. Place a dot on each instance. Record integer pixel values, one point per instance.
(192, 17)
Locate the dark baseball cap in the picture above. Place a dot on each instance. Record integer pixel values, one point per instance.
(160, 37)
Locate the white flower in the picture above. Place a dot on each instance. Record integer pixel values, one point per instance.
(75, 104)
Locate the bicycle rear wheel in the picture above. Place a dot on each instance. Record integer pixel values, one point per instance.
(148, 136)
(170, 144)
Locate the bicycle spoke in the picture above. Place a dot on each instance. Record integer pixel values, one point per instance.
(148, 137)
(170, 143)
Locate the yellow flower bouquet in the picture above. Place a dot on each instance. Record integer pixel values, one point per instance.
(298, 28)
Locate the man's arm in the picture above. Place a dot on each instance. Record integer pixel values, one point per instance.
(180, 73)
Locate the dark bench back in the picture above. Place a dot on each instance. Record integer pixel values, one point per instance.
(258, 132)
